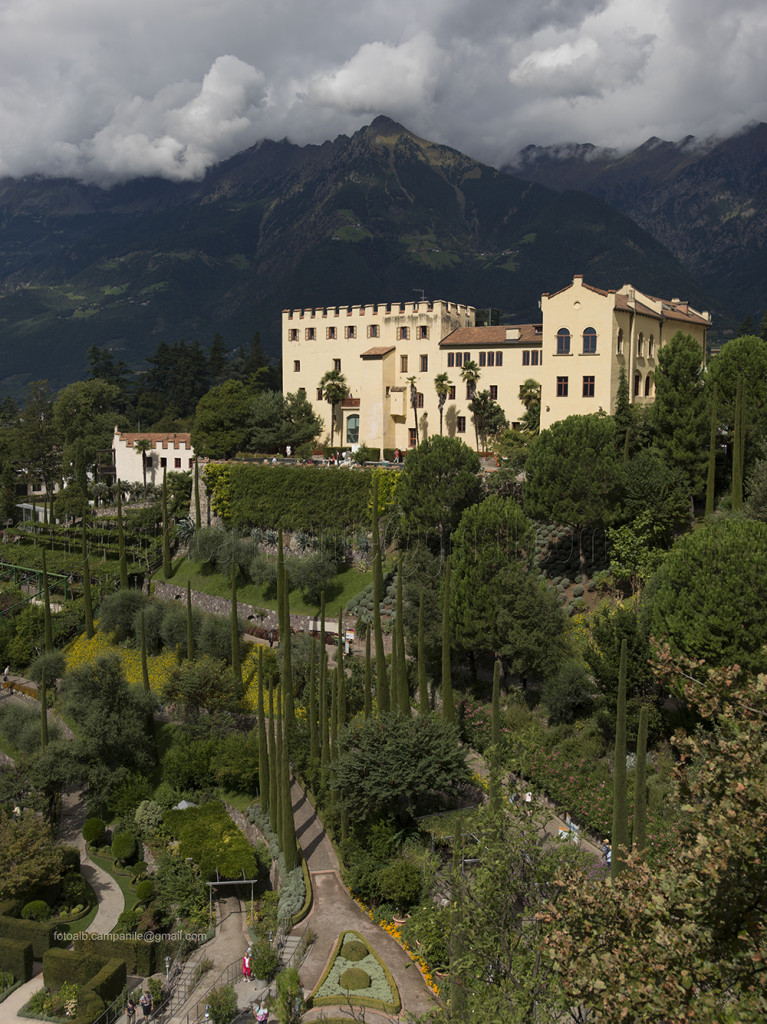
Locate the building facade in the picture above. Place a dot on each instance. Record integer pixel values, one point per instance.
(391, 353)
(171, 452)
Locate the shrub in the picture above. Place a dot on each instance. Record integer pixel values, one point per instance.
(400, 883)
(123, 846)
(354, 950)
(16, 957)
(145, 891)
(568, 695)
(74, 889)
(37, 910)
(93, 830)
(148, 817)
(354, 977)
(265, 960)
(118, 611)
(222, 1004)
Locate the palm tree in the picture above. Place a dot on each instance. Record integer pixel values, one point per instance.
(530, 397)
(442, 385)
(470, 376)
(334, 387)
(414, 404)
(142, 446)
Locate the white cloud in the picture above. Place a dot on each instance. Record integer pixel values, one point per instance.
(104, 91)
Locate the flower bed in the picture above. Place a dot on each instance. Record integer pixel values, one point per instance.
(362, 982)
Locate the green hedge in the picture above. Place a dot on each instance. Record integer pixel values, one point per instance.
(110, 980)
(90, 1006)
(291, 497)
(105, 977)
(10, 908)
(302, 913)
(39, 935)
(16, 956)
(141, 958)
(209, 836)
(355, 999)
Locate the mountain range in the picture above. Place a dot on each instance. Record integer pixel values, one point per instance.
(381, 215)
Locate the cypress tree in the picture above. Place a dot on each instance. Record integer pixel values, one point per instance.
(620, 813)
(47, 609)
(189, 630)
(197, 513)
(737, 455)
(711, 477)
(314, 739)
(382, 687)
(278, 737)
(288, 707)
(121, 541)
(263, 748)
(448, 707)
(455, 940)
(394, 687)
(167, 565)
(289, 846)
(48, 650)
(341, 673)
(368, 677)
(743, 433)
(423, 689)
(87, 598)
(332, 684)
(404, 689)
(272, 759)
(144, 665)
(640, 785)
(495, 741)
(324, 726)
(236, 664)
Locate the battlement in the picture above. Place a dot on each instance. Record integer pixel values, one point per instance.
(424, 307)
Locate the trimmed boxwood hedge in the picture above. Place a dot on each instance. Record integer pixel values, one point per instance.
(39, 935)
(16, 957)
(140, 957)
(352, 997)
(106, 978)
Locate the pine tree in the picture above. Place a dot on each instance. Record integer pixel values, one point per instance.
(495, 741)
(189, 629)
(263, 747)
(640, 785)
(620, 813)
(448, 707)
(368, 677)
(167, 564)
(382, 688)
(711, 476)
(197, 512)
(403, 700)
(236, 663)
(314, 739)
(423, 690)
(121, 541)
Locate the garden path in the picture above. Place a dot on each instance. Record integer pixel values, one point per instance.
(334, 911)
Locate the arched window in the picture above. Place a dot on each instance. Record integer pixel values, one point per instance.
(651, 346)
(589, 340)
(637, 383)
(620, 341)
(640, 344)
(563, 342)
(648, 385)
(419, 399)
(352, 429)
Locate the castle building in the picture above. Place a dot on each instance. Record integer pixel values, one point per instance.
(390, 354)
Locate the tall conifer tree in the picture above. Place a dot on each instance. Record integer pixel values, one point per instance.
(314, 739)
(368, 677)
(48, 650)
(272, 757)
(382, 686)
(737, 457)
(423, 689)
(404, 689)
(289, 845)
(144, 664)
(121, 541)
(448, 707)
(87, 596)
(197, 512)
(341, 673)
(189, 628)
(263, 747)
(640, 785)
(620, 812)
(167, 564)
(711, 476)
(236, 663)
(495, 741)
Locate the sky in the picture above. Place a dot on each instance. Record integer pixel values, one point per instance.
(105, 92)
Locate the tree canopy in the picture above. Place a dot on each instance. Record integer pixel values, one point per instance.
(220, 427)
(28, 855)
(678, 415)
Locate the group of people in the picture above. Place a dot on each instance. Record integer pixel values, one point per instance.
(145, 1002)
(261, 1013)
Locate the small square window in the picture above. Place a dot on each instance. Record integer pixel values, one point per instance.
(651, 346)
(373, 331)
(460, 424)
(311, 334)
(403, 333)
(403, 364)
(331, 333)
(466, 358)
(451, 393)
(351, 332)
(423, 331)
(337, 364)
(419, 400)
(619, 342)
(494, 392)
(562, 387)
(293, 334)
(589, 341)
(296, 366)
(191, 463)
(319, 394)
(163, 462)
(411, 437)
(177, 463)
(588, 387)
(424, 364)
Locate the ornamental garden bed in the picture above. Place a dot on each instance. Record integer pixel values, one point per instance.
(356, 976)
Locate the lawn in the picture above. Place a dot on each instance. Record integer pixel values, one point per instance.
(122, 879)
(345, 586)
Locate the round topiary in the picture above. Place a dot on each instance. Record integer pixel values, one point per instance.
(37, 910)
(354, 978)
(145, 891)
(354, 950)
(123, 846)
(93, 830)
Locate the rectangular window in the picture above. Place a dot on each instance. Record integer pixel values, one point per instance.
(466, 358)
(494, 391)
(483, 358)
(373, 331)
(331, 333)
(294, 334)
(350, 332)
(588, 387)
(310, 334)
(177, 463)
(451, 359)
(562, 387)
(419, 400)
(163, 462)
(423, 332)
(451, 393)
(526, 358)
(424, 364)
(534, 358)
(491, 358)
(191, 463)
(403, 364)
(319, 394)
(336, 364)
(296, 366)
(411, 437)
(460, 424)
(498, 359)
(403, 333)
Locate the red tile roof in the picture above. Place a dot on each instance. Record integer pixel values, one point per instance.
(379, 350)
(161, 440)
(529, 334)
